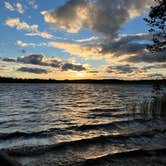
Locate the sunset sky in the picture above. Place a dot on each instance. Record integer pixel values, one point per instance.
(77, 39)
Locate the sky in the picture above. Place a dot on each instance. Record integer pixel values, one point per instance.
(77, 39)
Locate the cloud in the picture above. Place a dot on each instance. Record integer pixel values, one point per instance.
(41, 60)
(115, 49)
(131, 49)
(133, 71)
(122, 69)
(74, 67)
(19, 8)
(105, 17)
(14, 7)
(22, 44)
(126, 44)
(8, 6)
(148, 57)
(127, 54)
(156, 76)
(5, 68)
(41, 34)
(40, 65)
(69, 17)
(93, 38)
(36, 59)
(33, 4)
(20, 25)
(9, 60)
(155, 66)
(33, 29)
(124, 49)
(33, 70)
(31, 59)
(87, 50)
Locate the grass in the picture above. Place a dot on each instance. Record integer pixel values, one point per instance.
(153, 107)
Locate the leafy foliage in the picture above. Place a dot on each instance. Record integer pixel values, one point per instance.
(157, 22)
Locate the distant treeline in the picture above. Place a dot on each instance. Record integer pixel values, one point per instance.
(100, 81)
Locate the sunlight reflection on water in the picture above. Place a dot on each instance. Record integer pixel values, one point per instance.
(55, 111)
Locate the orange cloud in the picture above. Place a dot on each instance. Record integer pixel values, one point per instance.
(88, 51)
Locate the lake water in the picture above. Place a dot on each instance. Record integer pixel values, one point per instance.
(74, 124)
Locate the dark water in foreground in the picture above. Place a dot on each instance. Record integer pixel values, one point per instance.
(80, 124)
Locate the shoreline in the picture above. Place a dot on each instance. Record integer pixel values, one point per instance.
(82, 81)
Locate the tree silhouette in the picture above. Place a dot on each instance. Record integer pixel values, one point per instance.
(157, 22)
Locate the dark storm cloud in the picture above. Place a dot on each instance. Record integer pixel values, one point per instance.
(40, 60)
(155, 66)
(36, 59)
(74, 67)
(31, 59)
(156, 75)
(105, 17)
(159, 57)
(9, 59)
(120, 49)
(126, 44)
(122, 69)
(135, 46)
(102, 16)
(32, 70)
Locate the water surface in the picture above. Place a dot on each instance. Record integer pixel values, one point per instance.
(70, 124)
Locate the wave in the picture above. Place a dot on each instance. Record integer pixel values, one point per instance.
(103, 139)
(17, 134)
(104, 110)
(112, 125)
(122, 115)
(116, 125)
(118, 157)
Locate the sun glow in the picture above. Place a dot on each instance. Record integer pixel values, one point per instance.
(81, 74)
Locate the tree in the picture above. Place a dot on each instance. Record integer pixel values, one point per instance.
(157, 22)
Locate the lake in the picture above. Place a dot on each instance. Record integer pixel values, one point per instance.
(80, 124)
